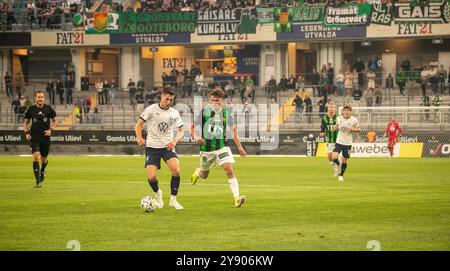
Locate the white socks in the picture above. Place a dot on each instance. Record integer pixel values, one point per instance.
(173, 198)
(234, 187)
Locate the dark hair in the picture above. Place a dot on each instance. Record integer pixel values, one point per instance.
(347, 107)
(218, 92)
(39, 91)
(167, 90)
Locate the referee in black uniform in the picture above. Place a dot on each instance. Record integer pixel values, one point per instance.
(43, 120)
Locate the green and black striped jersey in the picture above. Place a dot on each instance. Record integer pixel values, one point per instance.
(214, 128)
(327, 127)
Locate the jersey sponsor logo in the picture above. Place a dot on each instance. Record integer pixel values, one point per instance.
(223, 155)
(163, 127)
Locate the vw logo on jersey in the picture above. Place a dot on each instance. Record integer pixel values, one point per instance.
(163, 127)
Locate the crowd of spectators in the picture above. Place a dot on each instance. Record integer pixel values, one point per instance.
(48, 14)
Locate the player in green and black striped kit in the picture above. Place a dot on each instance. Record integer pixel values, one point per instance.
(328, 129)
(214, 121)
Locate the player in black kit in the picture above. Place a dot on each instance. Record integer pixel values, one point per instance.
(43, 120)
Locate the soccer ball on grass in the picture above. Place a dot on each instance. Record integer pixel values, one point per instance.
(148, 204)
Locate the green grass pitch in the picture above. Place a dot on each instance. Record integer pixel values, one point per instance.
(293, 204)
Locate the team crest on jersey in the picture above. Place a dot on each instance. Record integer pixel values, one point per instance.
(163, 127)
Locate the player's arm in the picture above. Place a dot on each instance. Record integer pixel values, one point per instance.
(237, 141)
(198, 140)
(400, 131)
(356, 128)
(323, 127)
(178, 137)
(26, 128)
(138, 130)
(197, 121)
(53, 123)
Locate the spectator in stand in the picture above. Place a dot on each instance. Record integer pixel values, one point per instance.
(359, 66)
(105, 91)
(357, 94)
(300, 84)
(369, 97)
(315, 80)
(298, 103)
(283, 85)
(442, 76)
(401, 80)
(323, 80)
(60, 90)
(15, 104)
(346, 67)
(181, 90)
(70, 84)
(308, 108)
(51, 92)
(250, 88)
(272, 88)
(291, 83)
(112, 92)
(99, 88)
(406, 65)
(371, 80)
(19, 84)
(389, 85)
(199, 81)
(373, 63)
(87, 105)
(194, 70)
(378, 97)
(322, 106)
(340, 78)
(141, 86)
(426, 103)
(424, 80)
(371, 136)
(433, 79)
(174, 72)
(132, 91)
(348, 82)
(8, 85)
(330, 73)
(229, 90)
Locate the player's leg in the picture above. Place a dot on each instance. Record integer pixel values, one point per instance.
(36, 158)
(152, 164)
(330, 147)
(174, 167)
(346, 156)
(226, 160)
(390, 147)
(335, 156)
(45, 148)
(206, 161)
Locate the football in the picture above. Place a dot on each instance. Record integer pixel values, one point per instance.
(148, 204)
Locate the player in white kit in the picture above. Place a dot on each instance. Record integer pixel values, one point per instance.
(161, 119)
(346, 124)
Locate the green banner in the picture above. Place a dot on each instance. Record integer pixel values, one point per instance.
(422, 12)
(283, 19)
(265, 15)
(308, 14)
(157, 22)
(347, 15)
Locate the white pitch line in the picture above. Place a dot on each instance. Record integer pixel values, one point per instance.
(262, 185)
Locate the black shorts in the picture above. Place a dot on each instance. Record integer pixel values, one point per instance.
(153, 156)
(342, 148)
(40, 146)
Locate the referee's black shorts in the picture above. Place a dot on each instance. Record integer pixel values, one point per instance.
(153, 156)
(40, 146)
